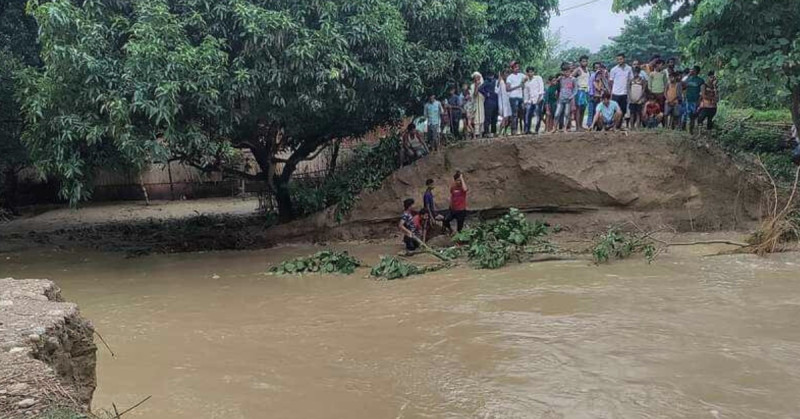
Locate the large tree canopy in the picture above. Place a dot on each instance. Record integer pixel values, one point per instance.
(152, 80)
(17, 49)
(643, 37)
(755, 40)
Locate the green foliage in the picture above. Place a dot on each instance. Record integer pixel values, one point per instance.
(757, 132)
(151, 80)
(133, 83)
(364, 171)
(752, 43)
(643, 37)
(618, 245)
(325, 262)
(18, 50)
(393, 268)
(491, 245)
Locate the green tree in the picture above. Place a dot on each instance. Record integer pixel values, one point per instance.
(131, 83)
(153, 80)
(643, 37)
(756, 38)
(17, 50)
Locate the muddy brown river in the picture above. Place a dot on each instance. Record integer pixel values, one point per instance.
(211, 336)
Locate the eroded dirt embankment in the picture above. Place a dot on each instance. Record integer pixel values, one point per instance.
(47, 352)
(583, 181)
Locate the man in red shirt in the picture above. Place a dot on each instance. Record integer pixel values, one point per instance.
(458, 202)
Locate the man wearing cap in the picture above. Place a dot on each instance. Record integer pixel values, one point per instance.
(514, 85)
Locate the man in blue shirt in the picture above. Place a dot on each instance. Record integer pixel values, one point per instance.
(608, 114)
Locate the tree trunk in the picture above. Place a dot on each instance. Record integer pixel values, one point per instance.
(286, 211)
(9, 189)
(334, 157)
(795, 89)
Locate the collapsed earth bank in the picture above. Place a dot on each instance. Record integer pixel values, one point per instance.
(47, 352)
(584, 181)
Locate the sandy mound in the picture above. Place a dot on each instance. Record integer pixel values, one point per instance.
(661, 177)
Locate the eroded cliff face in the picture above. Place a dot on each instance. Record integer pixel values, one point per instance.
(656, 178)
(47, 351)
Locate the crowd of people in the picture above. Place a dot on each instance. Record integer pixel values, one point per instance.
(627, 96)
(581, 98)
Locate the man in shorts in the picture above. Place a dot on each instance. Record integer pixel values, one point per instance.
(582, 74)
(693, 85)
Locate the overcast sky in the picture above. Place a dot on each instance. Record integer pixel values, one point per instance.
(588, 26)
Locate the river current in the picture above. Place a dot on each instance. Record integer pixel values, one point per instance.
(210, 335)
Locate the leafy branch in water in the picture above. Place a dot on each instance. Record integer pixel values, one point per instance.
(491, 245)
(326, 261)
(393, 268)
(618, 245)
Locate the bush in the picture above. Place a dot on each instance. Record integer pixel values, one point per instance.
(618, 245)
(364, 171)
(393, 268)
(325, 262)
(491, 245)
(759, 132)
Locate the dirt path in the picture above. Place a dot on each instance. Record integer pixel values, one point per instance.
(94, 214)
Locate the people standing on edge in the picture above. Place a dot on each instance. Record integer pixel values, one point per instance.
(433, 114)
(552, 103)
(478, 108)
(673, 98)
(466, 99)
(607, 115)
(693, 84)
(490, 105)
(532, 95)
(659, 80)
(455, 105)
(582, 75)
(411, 234)
(515, 84)
(600, 86)
(458, 203)
(566, 97)
(708, 101)
(619, 77)
(504, 102)
(637, 91)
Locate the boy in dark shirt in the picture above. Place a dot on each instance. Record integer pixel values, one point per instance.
(408, 227)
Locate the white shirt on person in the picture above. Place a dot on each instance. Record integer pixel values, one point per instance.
(534, 90)
(513, 80)
(620, 76)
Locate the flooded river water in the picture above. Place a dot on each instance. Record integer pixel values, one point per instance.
(210, 336)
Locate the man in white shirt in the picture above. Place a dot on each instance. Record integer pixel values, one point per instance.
(620, 76)
(533, 94)
(514, 85)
